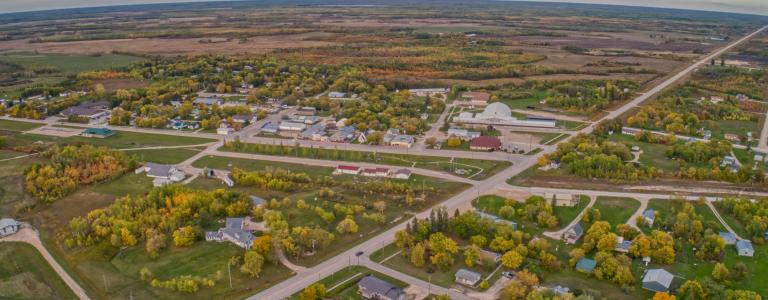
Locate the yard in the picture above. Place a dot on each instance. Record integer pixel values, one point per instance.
(616, 210)
(343, 283)
(165, 156)
(25, 274)
(666, 207)
(566, 214)
(13, 198)
(120, 140)
(17, 126)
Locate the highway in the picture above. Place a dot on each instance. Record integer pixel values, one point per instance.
(288, 287)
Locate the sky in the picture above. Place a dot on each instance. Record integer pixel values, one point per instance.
(740, 6)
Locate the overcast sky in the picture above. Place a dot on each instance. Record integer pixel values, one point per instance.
(743, 6)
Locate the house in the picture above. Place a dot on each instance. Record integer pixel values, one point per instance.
(561, 290)
(242, 119)
(81, 112)
(657, 280)
(649, 215)
(306, 111)
(586, 265)
(308, 120)
(233, 232)
(476, 98)
(562, 199)
(375, 172)
(467, 277)
(9, 226)
(500, 114)
(208, 101)
(163, 174)
(180, 124)
(315, 133)
(97, 132)
(428, 92)
(394, 138)
(732, 137)
(463, 134)
(291, 126)
(371, 287)
(270, 128)
(485, 143)
(343, 135)
(349, 170)
(402, 174)
(337, 95)
(573, 234)
(729, 238)
(707, 134)
(728, 161)
(744, 248)
(486, 255)
(622, 245)
(224, 129)
(256, 200)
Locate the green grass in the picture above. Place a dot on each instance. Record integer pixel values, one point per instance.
(129, 184)
(599, 289)
(120, 140)
(349, 276)
(13, 198)
(492, 203)
(734, 223)
(653, 154)
(227, 163)
(566, 214)
(666, 207)
(488, 167)
(25, 274)
(616, 210)
(9, 125)
(165, 156)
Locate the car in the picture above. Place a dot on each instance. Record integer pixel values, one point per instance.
(359, 253)
(509, 275)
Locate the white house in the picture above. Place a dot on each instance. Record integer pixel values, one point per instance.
(402, 174)
(233, 232)
(649, 216)
(467, 277)
(573, 234)
(162, 174)
(9, 226)
(744, 248)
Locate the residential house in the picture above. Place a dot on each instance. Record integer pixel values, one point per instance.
(224, 129)
(371, 287)
(402, 174)
(306, 111)
(657, 280)
(243, 119)
(343, 135)
(162, 174)
(270, 128)
(586, 265)
(97, 132)
(485, 143)
(375, 172)
(349, 170)
(233, 232)
(292, 126)
(573, 234)
(463, 134)
(208, 101)
(649, 215)
(467, 277)
(744, 248)
(622, 245)
(9, 226)
(729, 238)
(476, 98)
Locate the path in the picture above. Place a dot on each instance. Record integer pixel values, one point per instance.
(29, 235)
(638, 212)
(287, 263)
(557, 235)
(763, 145)
(722, 221)
(17, 157)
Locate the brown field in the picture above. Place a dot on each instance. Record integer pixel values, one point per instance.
(115, 84)
(553, 77)
(256, 44)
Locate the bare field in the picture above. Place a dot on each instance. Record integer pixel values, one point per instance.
(257, 44)
(112, 85)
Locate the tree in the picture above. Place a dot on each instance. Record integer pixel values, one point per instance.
(739, 271)
(596, 231)
(741, 295)
(347, 225)
(252, 262)
(607, 242)
(431, 142)
(315, 291)
(471, 255)
(576, 254)
(145, 274)
(263, 245)
(453, 141)
(380, 206)
(720, 273)
(155, 243)
(478, 240)
(691, 289)
(663, 296)
(512, 259)
(443, 248)
(417, 255)
(184, 236)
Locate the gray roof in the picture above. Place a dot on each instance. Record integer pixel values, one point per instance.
(374, 285)
(624, 245)
(577, 229)
(207, 100)
(6, 222)
(657, 280)
(158, 170)
(80, 111)
(729, 238)
(235, 230)
(468, 275)
(586, 265)
(256, 200)
(650, 214)
(242, 117)
(744, 245)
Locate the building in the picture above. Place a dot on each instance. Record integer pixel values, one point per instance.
(649, 215)
(586, 265)
(732, 137)
(306, 111)
(233, 232)
(291, 126)
(394, 138)
(371, 287)
(270, 128)
(95, 105)
(316, 133)
(657, 280)
(729, 238)
(622, 245)
(90, 114)
(496, 219)
(256, 200)
(97, 132)
(224, 129)
(349, 170)
(163, 174)
(428, 92)
(744, 248)
(476, 98)
(485, 143)
(343, 135)
(242, 119)
(573, 234)
(402, 174)
(208, 101)
(308, 120)
(9, 226)
(337, 95)
(500, 114)
(562, 199)
(463, 134)
(375, 172)
(467, 277)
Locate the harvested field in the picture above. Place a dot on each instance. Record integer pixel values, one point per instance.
(112, 85)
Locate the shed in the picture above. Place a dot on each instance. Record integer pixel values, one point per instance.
(650, 216)
(744, 248)
(657, 280)
(467, 277)
(586, 265)
(730, 238)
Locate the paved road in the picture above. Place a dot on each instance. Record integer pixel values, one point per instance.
(29, 235)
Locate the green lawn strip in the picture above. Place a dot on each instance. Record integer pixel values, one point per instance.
(566, 214)
(744, 156)
(735, 224)
(345, 281)
(25, 274)
(18, 126)
(489, 167)
(556, 139)
(534, 151)
(227, 163)
(616, 210)
(164, 156)
(128, 184)
(600, 289)
(120, 140)
(69, 63)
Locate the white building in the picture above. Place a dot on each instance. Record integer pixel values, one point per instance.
(428, 92)
(162, 174)
(9, 226)
(500, 114)
(292, 126)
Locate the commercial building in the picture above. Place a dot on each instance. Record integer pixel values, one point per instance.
(499, 114)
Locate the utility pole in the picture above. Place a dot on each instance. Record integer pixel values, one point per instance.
(229, 273)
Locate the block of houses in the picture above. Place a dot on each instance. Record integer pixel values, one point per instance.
(729, 238)
(467, 277)
(9, 226)
(657, 280)
(649, 216)
(476, 98)
(97, 132)
(402, 174)
(208, 101)
(162, 174)
(586, 265)
(744, 248)
(306, 111)
(371, 287)
(233, 232)
(573, 234)
(375, 172)
(348, 170)
(485, 143)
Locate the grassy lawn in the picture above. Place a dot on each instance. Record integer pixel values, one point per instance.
(486, 167)
(9, 125)
(666, 207)
(120, 140)
(227, 163)
(597, 288)
(165, 156)
(13, 198)
(616, 210)
(566, 214)
(128, 184)
(732, 222)
(25, 274)
(653, 154)
(345, 282)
